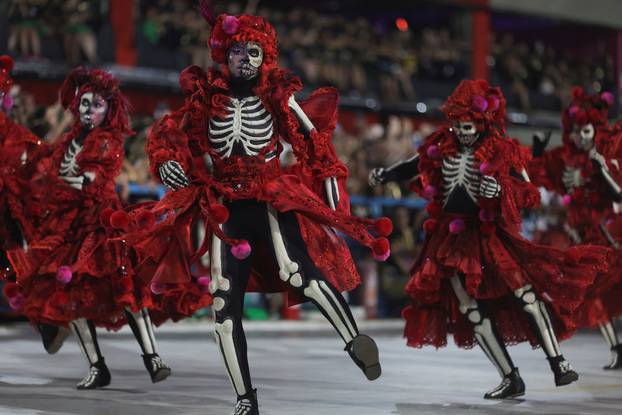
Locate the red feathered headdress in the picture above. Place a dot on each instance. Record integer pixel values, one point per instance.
(6, 64)
(227, 30)
(82, 80)
(476, 100)
(587, 109)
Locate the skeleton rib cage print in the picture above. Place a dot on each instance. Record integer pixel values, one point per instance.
(246, 129)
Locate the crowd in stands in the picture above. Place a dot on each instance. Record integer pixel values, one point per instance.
(363, 57)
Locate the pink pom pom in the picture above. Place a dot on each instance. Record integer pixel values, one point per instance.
(479, 103)
(204, 283)
(573, 111)
(456, 226)
(241, 250)
(64, 274)
(493, 103)
(230, 25)
(433, 152)
(7, 102)
(16, 302)
(483, 168)
(157, 288)
(486, 215)
(607, 97)
(566, 200)
(429, 192)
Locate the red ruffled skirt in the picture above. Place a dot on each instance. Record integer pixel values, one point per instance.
(603, 300)
(83, 272)
(495, 261)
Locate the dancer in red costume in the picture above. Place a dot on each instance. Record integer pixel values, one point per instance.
(19, 148)
(586, 171)
(72, 273)
(476, 276)
(267, 230)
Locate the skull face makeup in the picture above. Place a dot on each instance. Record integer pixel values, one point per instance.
(93, 109)
(466, 132)
(244, 60)
(583, 136)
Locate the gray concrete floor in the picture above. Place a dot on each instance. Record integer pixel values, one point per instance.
(296, 373)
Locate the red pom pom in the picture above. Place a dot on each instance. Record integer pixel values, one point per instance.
(434, 209)
(429, 192)
(6, 62)
(220, 213)
(433, 152)
(10, 290)
(381, 249)
(479, 103)
(230, 25)
(383, 226)
(457, 226)
(119, 220)
(104, 217)
(145, 219)
(64, 274)
(241, 250)
(430, 225)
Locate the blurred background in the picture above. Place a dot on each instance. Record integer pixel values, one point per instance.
(394, 62)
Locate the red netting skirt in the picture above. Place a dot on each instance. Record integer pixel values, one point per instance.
(495, 261)
(84, 273)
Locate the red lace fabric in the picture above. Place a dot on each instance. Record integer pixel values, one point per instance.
(588, 210)
(15, 172)
(104, 282)
(492, 255)
(182, 136)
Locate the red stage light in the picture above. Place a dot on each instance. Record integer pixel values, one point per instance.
(401, 24)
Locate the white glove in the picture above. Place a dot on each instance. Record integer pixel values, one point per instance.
(172, 175)
(489, 188)
(375, 176)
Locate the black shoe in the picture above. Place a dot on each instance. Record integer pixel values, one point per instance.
(158, 370)
(562, 370)
(247, 404)
(363, 350)
(53, 337)
(616, 358)
(511, 386)
(98, 376)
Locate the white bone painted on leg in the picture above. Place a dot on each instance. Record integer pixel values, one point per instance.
(82, 332)
(141, 324)
(287, 268)
(218, 282)
(537, 309)
(330, 293)
(314, 292)
(149, 324)
(482, 329)
(609, 334)
(224, 338)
